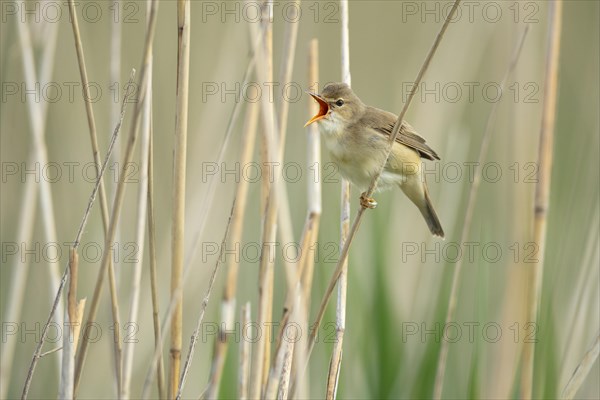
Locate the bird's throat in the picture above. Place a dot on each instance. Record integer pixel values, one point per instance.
(331, 126)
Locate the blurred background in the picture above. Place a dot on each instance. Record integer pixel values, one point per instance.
(399, 276)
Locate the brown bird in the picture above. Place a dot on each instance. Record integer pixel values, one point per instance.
(357, 137)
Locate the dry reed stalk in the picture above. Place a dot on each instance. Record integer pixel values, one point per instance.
(103, 202)
(276, 370)
(285, 229)
(26, 219)
(284, 224)
(357, 220)
(314, 186)
(311, 227)
(37, 354)
(297, 302)
(483, 150)
(285, 74)
(153, 273)
(228, 303)
(582, 371)
(179, 164)
(267, 264)
(340, 320)
(213, 277)
(269, 204)
(295, 306)
(142, 203)
(285, 345)
(295, 317)
(65, 387)
(294, 313)
(115, 72)
(245, 355)
(128, 156)
(115, 78)
(542, 188)
(71, 337)
(282, 394)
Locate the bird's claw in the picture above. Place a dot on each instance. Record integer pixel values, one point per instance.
(367, 202)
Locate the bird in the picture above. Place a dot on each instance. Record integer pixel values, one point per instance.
(357, 138)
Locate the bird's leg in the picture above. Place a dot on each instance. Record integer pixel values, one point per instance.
(367, 202)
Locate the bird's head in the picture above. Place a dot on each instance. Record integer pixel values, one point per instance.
(338, 105)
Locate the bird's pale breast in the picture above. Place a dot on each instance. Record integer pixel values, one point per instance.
(359, 155)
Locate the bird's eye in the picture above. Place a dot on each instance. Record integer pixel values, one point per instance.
(339, 103)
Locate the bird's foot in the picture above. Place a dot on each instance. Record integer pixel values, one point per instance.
(367, 202)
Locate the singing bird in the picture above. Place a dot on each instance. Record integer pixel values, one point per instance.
(357, 137)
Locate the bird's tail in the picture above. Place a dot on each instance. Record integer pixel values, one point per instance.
(433, 222)
(416, 190)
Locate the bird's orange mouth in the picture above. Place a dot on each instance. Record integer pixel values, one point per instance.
(323, 109)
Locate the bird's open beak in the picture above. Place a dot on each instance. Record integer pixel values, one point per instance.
(323, 109)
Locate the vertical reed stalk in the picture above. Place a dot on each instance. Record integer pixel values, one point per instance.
(116, 33)
(245, 355)
(179, 164)
(542, 189)
(313, 160)
(115, 77)
(71, 335)
(269, 153)
(285, 74)
(313, 220)
(340, 320)
(284, 224)
(282, 393)
(153, 272)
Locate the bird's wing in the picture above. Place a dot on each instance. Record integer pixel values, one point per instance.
(383, 122)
